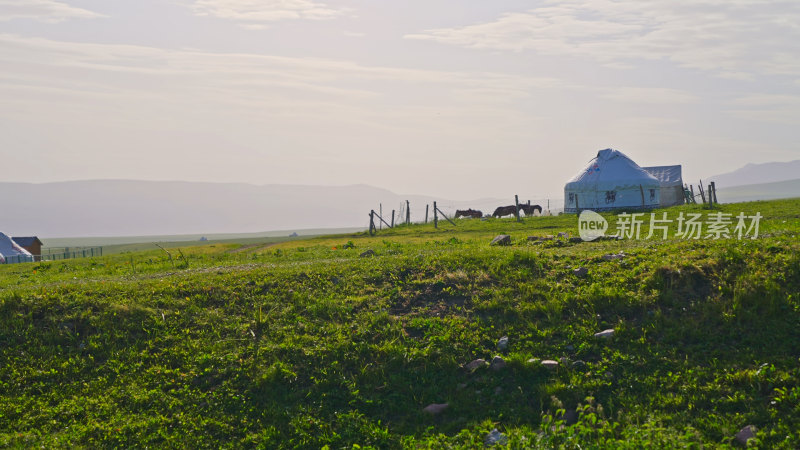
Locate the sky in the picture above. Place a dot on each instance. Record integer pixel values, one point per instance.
(459, 99)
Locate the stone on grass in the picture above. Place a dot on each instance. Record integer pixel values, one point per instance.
(435, 408)
(495, 438)
(581, 272)
(475, 365)
(368, 253)
(534, 361)
(498, 363)
(502, 239)
(502, 344)
(605, 334)
(745, 434)
(613, 256)
(550, 364)
(576, 240)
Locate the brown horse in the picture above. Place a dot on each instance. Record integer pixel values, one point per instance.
(504, 211)
(475, 214)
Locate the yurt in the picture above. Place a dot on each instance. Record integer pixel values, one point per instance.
(671, 181)
(10, 252)
(611, 181)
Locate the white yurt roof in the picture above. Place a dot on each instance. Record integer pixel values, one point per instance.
(9, 248)
(667, 175)
(611, 170)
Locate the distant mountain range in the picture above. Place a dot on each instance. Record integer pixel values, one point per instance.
(758, 174)
(136, 208)
(762, 191)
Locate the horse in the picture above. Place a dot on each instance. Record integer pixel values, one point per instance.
(475, 214)
(504, 211)
(530, 209)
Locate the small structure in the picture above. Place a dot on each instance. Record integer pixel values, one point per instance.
(30, 243)
(612, 181)
(672, 190)
(11, 252)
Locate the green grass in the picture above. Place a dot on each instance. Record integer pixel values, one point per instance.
(306, 344)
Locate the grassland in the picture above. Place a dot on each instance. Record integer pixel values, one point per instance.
(306, 344)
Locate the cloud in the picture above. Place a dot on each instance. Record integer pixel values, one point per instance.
(250, 13)
(774, 108)
(49, 11)
(648, 95)
(732, 39)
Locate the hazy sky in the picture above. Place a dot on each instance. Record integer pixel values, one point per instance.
(459, 99)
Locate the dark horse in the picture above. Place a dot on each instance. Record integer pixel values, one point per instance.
(511, 210)
(468, 213)
(529, 209)
(504, 211)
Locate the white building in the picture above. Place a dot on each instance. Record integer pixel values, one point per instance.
(612, 181)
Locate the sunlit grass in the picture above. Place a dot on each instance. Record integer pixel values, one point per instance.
(307, 344)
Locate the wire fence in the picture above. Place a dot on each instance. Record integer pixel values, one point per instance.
(59, 253)
(388, 215)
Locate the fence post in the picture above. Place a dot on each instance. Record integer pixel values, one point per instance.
(710, 197)
(371, 222)
(426, 212)
(408, 213)
(392, 226)
(516, 207)
(714, 190)
(435, 216)
(380, 213)
(702, 194)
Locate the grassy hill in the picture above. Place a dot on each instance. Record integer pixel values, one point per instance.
(308, 344)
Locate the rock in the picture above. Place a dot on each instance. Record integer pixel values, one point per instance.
(495, 438)
(502, 239)
(550, 364)
(576, 240)
(498, 363)
(502, 344)
(534, 361)
(435, 408)
(605, 334)
(745, 434)
(368, 253)
(533, 238)
(570, 347)
(581, 272)
(613, 256)
(579, 364)
(549, 237)
(570, 417)
(477, 364)
(563, 234)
